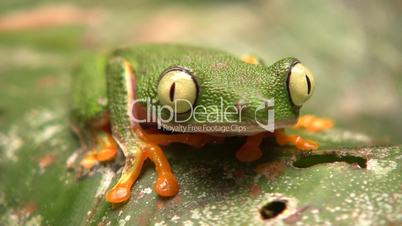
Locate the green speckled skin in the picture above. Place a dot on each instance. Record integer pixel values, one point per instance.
(219, 75)
(89, 89)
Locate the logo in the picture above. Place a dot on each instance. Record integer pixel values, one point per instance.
(208, 119)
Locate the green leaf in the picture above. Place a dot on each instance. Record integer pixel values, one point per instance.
(353, 179)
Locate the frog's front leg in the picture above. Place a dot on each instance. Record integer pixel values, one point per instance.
(122, 190)
(300, 143)
(131, 138)
(251, 151)
(308, 122)
(166, 184)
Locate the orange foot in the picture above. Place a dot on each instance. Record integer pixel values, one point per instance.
(148, 147)
(105, 150)
(166, 185)
(298, 141)
(314, 124)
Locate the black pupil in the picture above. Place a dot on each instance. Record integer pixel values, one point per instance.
(171, 91)
(308, 85)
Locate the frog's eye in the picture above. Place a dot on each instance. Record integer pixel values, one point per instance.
(178, 89)
(300, 84)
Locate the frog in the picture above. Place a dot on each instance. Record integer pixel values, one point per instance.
(137, 100)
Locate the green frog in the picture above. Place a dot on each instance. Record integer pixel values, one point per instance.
(141, 98)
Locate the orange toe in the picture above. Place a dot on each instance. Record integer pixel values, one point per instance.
(305, 145)
(119, 193)
(106, 154)
(89, 161)
(314, 124)
(298, 141)
(166, 185)
(321, 125)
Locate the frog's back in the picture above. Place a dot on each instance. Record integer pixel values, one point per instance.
(89, 89)
(88, 93)
(89, 79)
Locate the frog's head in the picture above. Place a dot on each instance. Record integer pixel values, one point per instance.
(208, 89)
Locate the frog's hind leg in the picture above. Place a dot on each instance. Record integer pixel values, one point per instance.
(90, 118)
(251, 151)
(314, 124)
(96, 146)
(129, 136)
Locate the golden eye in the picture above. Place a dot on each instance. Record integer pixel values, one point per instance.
(177, 89)
(300, 84)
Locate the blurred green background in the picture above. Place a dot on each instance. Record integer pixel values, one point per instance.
(353, 47)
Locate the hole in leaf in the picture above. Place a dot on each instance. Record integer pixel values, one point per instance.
(312, 160)
(272, 209)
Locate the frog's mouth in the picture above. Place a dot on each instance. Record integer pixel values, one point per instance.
(224, 129)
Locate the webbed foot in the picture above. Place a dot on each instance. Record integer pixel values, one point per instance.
(166, 185)
(148, 147)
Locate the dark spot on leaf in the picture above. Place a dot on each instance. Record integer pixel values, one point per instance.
(272, 209)
(308, 161)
